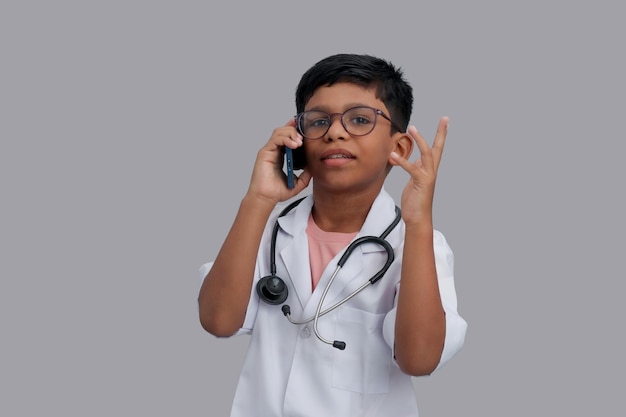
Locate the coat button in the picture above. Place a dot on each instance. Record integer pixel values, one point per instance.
(305, 332)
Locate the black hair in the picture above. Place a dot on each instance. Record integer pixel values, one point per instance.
(363, 70)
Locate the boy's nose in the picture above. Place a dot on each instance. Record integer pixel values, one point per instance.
(336, 130)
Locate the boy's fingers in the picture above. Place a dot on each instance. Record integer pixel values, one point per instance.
(295, 135)
(431, 156)
(422, 145)
(286, 135)
(440, 139)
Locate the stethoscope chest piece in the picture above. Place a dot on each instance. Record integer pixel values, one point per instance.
(272, 289)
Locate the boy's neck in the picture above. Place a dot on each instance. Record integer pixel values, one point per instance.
(345, 213)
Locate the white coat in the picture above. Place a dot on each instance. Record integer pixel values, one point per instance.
(288, 372)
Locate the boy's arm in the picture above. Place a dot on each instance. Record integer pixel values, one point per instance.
(420, 318)
(420, 326)
(225, 291)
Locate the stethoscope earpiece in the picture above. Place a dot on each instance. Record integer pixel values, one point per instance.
(272, 290)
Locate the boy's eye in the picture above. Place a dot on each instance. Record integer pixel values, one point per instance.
(321, 122)
(359, 117)
(359, 120)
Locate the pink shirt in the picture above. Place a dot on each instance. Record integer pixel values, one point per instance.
(323, 247)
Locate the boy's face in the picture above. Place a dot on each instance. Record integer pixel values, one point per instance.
(339, 161)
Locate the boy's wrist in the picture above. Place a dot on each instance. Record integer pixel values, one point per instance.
(258, 202)
(421, 226)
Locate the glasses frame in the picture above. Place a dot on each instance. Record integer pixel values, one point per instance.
(331, 116)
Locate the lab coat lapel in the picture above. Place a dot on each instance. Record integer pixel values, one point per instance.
(295, 255)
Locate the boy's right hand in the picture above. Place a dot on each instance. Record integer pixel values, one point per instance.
(268, 179)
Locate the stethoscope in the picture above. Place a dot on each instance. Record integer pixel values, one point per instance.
(273, 290)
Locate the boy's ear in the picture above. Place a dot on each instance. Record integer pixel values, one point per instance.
(404, 145)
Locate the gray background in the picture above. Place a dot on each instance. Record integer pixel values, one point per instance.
(128, 132)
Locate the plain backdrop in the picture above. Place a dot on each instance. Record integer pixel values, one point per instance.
(128, 133)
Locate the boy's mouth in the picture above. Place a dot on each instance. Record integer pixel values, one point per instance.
(337, 154)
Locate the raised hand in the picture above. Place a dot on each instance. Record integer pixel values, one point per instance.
(417, 196)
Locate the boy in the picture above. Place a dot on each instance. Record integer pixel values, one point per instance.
(353, 112)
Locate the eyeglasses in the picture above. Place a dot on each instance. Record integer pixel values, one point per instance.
(357, 121)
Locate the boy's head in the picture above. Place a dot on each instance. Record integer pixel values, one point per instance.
(363, 70)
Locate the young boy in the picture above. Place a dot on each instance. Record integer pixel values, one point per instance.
(325, 341)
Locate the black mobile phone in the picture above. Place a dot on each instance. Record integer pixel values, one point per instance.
(299, 160)
(294, 159)
(289, 163)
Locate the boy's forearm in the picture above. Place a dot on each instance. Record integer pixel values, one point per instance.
(225, 292)
(420, 318)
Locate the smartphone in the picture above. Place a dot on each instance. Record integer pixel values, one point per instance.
(294, 159)
(289, 163)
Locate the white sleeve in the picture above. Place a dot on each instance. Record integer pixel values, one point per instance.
(204, 270)
(456, 327)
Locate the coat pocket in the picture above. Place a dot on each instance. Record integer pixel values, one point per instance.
(364, 365)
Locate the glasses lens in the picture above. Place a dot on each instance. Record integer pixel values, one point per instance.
(359, 121)
(313, 124)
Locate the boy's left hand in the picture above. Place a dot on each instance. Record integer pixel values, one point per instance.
(417, 197)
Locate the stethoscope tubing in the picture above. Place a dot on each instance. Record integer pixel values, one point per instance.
(380, 240)
(373, 280)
